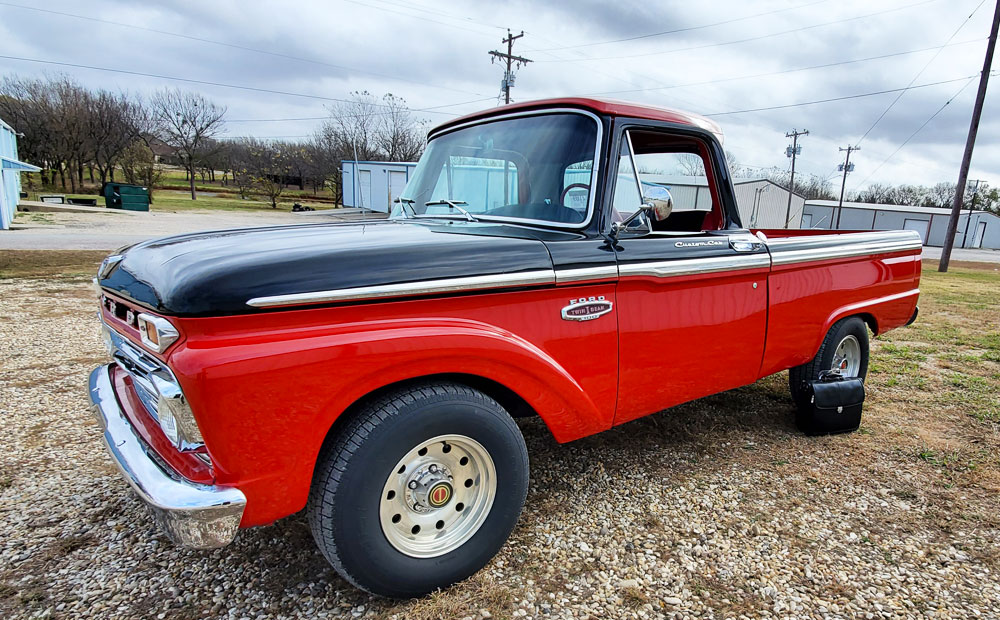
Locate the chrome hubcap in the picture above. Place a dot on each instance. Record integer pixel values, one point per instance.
(847, 357)
(438, 496)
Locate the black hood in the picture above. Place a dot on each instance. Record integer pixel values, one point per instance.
(214, 273)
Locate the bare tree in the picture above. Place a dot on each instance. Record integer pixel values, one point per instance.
(114, 123)
(267, 164)
(139, 167)
(399, 136)
(690, 165)
(187, 122)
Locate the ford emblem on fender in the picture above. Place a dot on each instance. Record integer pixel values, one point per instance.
(586, 309)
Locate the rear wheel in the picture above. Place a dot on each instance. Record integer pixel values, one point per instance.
(419, 490)
(845, 348)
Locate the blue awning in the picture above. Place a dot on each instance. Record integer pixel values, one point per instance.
(13, 164)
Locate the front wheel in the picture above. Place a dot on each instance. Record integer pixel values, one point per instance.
(845, 349)
(420, 489)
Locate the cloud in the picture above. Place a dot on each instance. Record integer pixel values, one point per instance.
(436, 54)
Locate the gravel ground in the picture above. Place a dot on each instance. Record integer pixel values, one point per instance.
(716, 509)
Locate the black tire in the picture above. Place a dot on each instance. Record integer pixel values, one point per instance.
(799, 376)
(353, 467)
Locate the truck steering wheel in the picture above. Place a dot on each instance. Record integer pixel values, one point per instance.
(562, 197)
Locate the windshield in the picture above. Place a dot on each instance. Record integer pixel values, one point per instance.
(529, 168)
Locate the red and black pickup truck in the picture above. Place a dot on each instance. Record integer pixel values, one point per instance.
(370, 373)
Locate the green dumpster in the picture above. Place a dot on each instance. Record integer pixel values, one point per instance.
(124, 196)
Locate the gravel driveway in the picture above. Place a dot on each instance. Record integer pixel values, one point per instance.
(716, 509)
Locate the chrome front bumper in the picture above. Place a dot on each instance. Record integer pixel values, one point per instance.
(193, 515)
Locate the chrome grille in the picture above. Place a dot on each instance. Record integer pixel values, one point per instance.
(140, 366)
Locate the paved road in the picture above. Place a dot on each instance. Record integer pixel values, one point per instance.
(112, 230)
(976, 256)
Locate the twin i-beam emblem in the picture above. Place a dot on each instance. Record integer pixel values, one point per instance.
(586, 309)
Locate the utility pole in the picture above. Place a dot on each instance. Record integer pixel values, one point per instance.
(972, 207)
(847, 166)
(970, 143)
(510, 59)
(792, 151)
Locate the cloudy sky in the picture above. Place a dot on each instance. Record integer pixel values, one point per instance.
(725, 58)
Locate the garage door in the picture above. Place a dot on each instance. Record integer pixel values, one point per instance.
(918, 225)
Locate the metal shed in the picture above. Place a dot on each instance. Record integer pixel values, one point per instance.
(762, 203)
(10, 174)
(978, 229)
(374, 184)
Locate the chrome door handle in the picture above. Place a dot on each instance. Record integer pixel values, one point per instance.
(745, 243)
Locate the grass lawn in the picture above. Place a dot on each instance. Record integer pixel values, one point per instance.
(170, 200)
(180, 200)
(172, 194)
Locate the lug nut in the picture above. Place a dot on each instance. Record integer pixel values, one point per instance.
(413, 484)
(433, 468)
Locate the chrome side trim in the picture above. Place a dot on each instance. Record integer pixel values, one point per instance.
(823, 247)
(409, 289)
(691, 266)
(192, 515)
(604, 272)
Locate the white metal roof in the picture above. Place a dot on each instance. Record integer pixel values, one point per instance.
(871, 206)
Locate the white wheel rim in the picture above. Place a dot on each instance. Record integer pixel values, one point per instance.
(847, 357)
(437, 496)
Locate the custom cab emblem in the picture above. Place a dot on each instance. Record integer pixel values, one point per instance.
(439, 495)
(695, 244)
(586, 309)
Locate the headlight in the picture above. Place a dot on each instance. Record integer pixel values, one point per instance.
(156, 332)
(176, 418)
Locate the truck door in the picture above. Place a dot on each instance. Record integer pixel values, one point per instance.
(692, 295)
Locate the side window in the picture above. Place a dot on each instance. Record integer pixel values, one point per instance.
(677, 164)
(681, 173)
(626, 198)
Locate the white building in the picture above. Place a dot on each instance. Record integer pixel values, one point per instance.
(978, 229)
(762, 203)
(374, 184)
(10, 174)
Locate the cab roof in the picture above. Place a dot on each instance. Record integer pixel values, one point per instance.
(600, 106)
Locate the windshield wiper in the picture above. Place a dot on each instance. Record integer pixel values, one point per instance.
(454, 205)
(403, 204)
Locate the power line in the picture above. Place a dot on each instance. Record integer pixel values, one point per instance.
(918, 130)
(831, 99)
(203, 82)
(321, 118)
(746, 40)
(412, 16)
(919, 73)
(677, 30)
(783, 71)
(230, 45)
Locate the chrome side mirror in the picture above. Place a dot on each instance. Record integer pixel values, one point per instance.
(658, 201)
